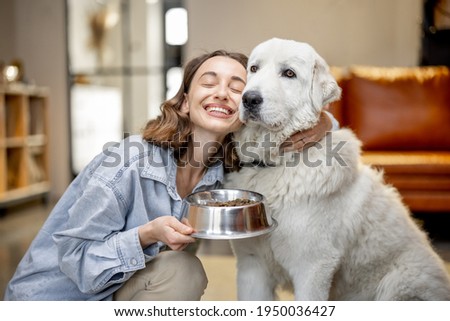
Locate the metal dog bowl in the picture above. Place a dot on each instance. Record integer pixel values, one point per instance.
(216, 221)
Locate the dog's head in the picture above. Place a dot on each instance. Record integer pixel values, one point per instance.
(288, 84)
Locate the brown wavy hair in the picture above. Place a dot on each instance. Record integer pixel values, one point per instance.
(172, 129)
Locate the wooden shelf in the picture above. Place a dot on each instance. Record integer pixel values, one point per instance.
(24, 169)
(22, 194)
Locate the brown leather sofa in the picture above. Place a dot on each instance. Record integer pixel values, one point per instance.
(402, 116)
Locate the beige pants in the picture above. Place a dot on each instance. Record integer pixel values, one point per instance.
(170, 276)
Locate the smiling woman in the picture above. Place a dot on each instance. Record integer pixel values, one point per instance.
(105, 238)
(214, 89)
(213, 99)
(211, 81)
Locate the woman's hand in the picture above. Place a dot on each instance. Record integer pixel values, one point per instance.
(168, 230)
(300, 139)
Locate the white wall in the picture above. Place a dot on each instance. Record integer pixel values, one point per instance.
(344, 32)
(7, 39)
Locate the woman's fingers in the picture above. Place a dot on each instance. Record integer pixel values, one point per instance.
(299, 140)
(168, 230)
(181, 227)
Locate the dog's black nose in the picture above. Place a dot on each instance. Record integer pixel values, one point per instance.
(252, 100)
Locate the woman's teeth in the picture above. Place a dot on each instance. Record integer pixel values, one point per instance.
(218, 109)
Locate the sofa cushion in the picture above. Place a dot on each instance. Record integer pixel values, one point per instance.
(410, 162)
(399, 108)
(422, 178)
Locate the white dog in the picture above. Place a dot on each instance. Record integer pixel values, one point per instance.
(343, 234)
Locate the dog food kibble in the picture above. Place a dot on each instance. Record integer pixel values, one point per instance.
(236, 202)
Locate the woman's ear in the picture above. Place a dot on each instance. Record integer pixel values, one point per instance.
(185, 105)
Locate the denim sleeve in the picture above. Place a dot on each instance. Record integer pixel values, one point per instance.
(95, 249)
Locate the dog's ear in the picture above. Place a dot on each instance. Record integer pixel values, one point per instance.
(324, 88)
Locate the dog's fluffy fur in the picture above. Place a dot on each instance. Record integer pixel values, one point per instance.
(343, 234)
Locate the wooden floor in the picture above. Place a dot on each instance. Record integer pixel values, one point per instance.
(19, 226)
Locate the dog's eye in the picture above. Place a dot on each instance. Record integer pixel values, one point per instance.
(289, 73)
(253, 68)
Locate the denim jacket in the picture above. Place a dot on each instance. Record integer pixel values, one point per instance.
(89, 244)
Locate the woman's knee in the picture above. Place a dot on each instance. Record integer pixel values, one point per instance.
(171, 275)
(184, 267)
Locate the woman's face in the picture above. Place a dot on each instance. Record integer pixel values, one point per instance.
(214, 97)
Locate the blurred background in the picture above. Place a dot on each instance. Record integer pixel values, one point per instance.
(132, 50)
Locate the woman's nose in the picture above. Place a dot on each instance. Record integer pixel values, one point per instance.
(222, 92)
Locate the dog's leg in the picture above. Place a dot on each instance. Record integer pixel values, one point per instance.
(312, 291)
(254, 282)
(313, 274)
(254, 279)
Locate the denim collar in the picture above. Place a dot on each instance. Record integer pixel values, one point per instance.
(161, 166)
